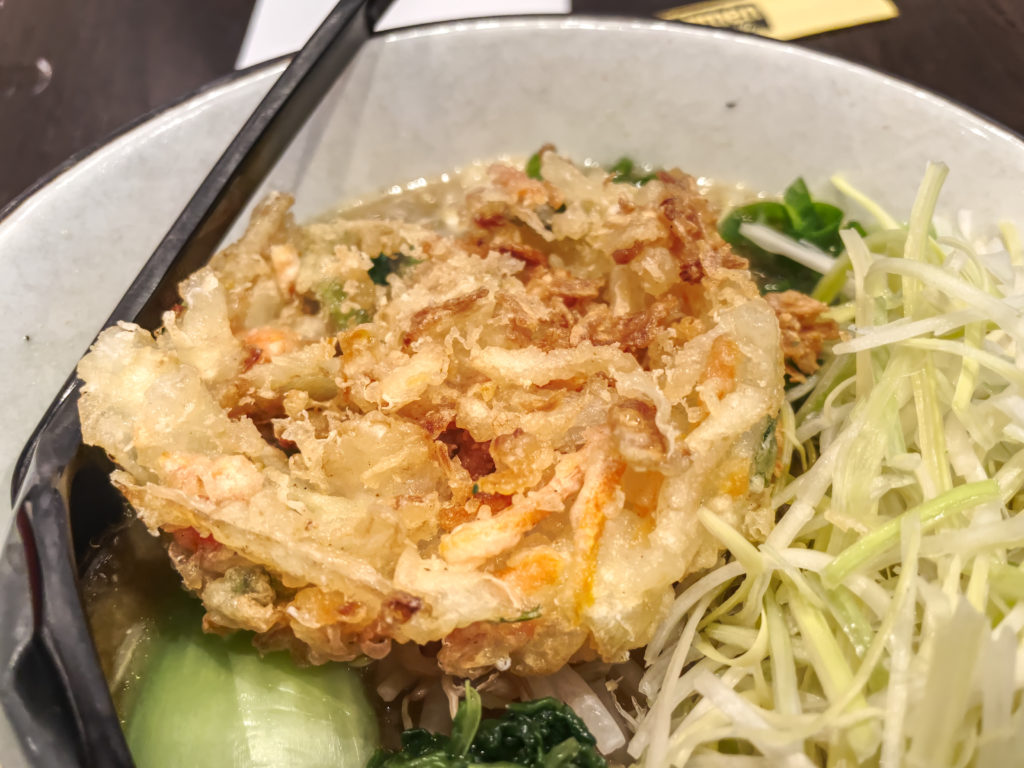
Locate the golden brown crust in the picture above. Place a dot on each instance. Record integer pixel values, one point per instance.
(805, 332)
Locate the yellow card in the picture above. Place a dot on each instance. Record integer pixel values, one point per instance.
(783, 19)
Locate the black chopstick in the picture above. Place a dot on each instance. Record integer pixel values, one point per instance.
(54, 669)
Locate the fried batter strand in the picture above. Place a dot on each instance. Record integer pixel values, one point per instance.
(804, 331)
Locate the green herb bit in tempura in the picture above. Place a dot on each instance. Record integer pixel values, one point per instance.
(341, 312)
(623, 171)
(535, 734)
(385, 264)
(533, 166)
(626, 172)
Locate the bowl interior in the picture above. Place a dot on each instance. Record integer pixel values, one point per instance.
(735, 108)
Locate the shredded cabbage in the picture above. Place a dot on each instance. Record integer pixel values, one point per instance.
(882, 622)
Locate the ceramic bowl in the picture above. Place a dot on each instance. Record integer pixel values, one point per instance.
(421, 101)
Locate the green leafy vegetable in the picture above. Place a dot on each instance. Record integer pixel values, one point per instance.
(385, 264)
(799, 217)
(814, 222)
(465, 724)
(625, 172)
(536, 734)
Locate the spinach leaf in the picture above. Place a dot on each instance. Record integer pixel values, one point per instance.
(768, 213)
(799, 205)
(798, 216)
(857, 227)
(536, 734)
(531, 730)
(771, 271)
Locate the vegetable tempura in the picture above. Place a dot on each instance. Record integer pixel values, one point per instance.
(492, 425)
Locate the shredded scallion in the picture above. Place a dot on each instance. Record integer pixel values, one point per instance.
(882, 622)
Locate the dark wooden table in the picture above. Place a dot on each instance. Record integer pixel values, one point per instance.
(114, 60)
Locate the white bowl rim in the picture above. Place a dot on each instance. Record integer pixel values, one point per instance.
(585, 22)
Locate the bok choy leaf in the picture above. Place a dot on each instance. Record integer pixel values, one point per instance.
(205, 701)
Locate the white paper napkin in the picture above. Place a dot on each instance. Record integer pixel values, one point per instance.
(278, 27)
